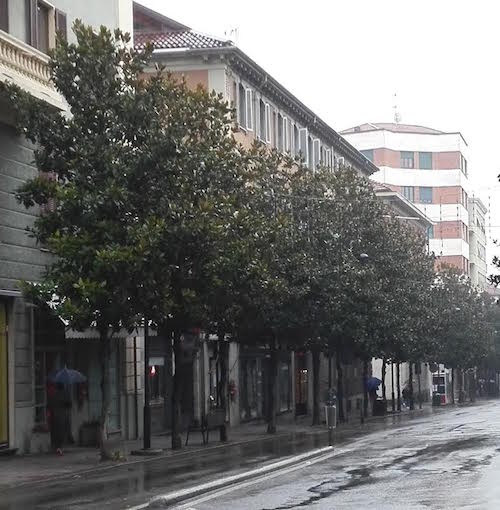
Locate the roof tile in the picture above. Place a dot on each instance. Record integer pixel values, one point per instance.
(188, 39)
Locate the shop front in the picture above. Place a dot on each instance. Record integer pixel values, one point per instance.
(254, 373)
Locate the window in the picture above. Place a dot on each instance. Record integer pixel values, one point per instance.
(280, 133)
(328, 158)
(268, 123)
(463, 165)
(296, 140)
(310, 152)
(242, 108)
(407, 160)
(409, 193)
(4, 15)
(274, 131)
(303, 147)
(286, 134)
(316, 153)
(42, 27)
(368, 154)
(425, 160)
(61, 25)
(249, 109)
(430, 232)
(262, 121)
(464, 199)
(425, 195)
(481, 251)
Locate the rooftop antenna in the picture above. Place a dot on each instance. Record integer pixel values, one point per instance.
(232, 34)
(397, 115)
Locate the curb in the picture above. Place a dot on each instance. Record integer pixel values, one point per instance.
(173, 498)
(142, 459)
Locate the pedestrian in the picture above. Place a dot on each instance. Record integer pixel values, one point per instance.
(58, 402)
(406, 396)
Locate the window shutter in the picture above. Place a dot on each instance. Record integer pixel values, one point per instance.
(268, 123)
(304, 153)
(61, 25)
(31, 21)
(292, 139)
(249, 108)
(4, 15)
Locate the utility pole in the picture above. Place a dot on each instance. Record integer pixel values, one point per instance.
(147, 408)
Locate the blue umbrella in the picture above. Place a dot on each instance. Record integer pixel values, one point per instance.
(67, 376)
(372, 383)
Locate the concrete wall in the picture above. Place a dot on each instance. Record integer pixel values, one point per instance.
(20, 258)
(21, 375)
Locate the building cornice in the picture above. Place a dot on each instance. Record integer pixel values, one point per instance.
(265, 83)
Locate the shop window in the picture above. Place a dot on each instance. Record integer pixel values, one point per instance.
(156, 380)
(284, 386)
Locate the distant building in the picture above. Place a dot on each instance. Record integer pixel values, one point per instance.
(429, 168)
(477, 243)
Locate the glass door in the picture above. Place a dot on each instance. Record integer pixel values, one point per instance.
(4, 410)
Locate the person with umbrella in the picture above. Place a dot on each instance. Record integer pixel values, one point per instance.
(59, 401)
(372, 384)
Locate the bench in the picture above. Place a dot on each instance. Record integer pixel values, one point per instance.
(211, 421)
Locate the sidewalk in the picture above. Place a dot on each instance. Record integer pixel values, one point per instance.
(29, 470)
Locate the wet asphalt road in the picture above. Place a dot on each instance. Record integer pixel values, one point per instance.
(449, 460)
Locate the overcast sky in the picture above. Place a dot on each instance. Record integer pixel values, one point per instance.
(345, 59)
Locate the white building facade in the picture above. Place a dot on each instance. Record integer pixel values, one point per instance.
(477, 243)
(429, 168)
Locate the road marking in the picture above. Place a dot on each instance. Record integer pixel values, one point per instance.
(241, 485)
(191, 492)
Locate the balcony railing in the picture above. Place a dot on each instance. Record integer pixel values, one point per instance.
(27, 67)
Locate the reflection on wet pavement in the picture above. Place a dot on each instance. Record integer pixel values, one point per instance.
(449, 461)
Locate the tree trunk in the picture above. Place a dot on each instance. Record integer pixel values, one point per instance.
(398, 382)
(106, 394)
(410, 388)
(452, 385)
(472, 386)
(384, 390)
(365, 390)
(419, 380)
(315, 365)
(176, 392)
(273, 372)
(223, 382)
(461, 386)
(393, 395)
(340, 388)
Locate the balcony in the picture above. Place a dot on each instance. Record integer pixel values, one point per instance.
(28, 68)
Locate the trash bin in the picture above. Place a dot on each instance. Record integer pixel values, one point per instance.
(379, 407)
(331, 416)
(436, 399)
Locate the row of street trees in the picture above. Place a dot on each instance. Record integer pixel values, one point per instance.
(156, 215)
